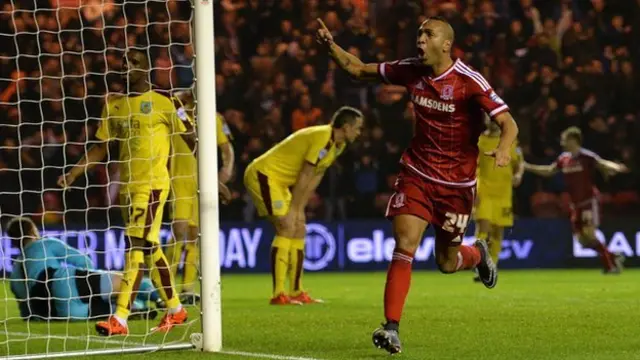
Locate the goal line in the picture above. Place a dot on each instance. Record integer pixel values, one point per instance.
(136, 348)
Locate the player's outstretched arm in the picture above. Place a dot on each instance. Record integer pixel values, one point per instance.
(95, 154)
(347, 62)
(608, 167)
(508, 136)
(542, 170)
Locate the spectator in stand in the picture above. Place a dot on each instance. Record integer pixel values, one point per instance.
(557, 63)
(305, 115)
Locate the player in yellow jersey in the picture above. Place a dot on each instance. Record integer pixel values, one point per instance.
(142, 122)
(185, 197)
(494, 209)
(297, 162)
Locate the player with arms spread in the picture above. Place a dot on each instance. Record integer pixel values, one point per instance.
(142, 122)
(437, 182)
(297, 162)
(578, 166)
(184, 186)
(494, 208)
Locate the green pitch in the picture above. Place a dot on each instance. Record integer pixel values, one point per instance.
(577, 315)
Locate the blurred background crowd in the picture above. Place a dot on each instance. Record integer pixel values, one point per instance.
(556, 63)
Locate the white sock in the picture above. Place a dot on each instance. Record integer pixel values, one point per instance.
(175, 309)
(122, 322)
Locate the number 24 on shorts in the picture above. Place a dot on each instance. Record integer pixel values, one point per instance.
(455, 223)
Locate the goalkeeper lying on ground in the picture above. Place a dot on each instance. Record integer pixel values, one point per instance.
(52, 280)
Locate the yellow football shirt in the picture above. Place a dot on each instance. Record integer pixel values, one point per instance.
(313, 145)
(492, 180)
(143, 125)
(183, 163)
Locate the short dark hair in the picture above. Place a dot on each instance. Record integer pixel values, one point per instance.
(20, 228)
(438, 18)
(345, 115)
(444, 21)
(573, 132)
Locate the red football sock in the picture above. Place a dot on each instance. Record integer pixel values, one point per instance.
(468, 257)
(605, 255)
(398, 283)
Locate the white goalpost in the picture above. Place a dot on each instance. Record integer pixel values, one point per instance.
(208, 179)
(58, 57)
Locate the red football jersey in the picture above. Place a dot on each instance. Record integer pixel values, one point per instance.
(449, 111)
(578, 171)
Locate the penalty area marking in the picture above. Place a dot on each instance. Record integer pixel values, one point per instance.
(116, 342)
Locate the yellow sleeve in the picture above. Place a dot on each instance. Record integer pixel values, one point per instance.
(177, 119)
(317, 148)
(222, 130)
(104, 132)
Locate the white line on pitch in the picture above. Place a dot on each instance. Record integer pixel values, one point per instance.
(77, 338)
(266, 356)
(116, 342)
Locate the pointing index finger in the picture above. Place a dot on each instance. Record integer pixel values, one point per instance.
(322, 24)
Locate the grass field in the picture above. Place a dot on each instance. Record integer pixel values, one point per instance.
(577, 315)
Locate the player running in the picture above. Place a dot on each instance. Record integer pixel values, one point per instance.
(493, 208)
(142, 123)
(297, 162)
(53, 281)
(578, 166)
(184, 186)
(437, 182)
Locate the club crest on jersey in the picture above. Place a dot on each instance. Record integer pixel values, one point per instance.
(182, 114)
(278, 204)
(447, 93)
(497, 99)
(145, 107)
(398, 201)
(323, 153)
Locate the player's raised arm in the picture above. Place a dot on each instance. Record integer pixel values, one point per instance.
(542, 170)
(347, 62)
(608, 167)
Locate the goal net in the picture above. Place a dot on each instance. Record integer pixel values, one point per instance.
(60, 62)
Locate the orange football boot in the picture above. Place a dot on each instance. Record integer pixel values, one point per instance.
(111, 327)
(170, 320)
(304, 298)
(283, 299)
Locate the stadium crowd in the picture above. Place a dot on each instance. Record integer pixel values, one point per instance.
(556, 63)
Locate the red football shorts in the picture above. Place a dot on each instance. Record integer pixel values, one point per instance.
(447, 208)
(587, 214)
